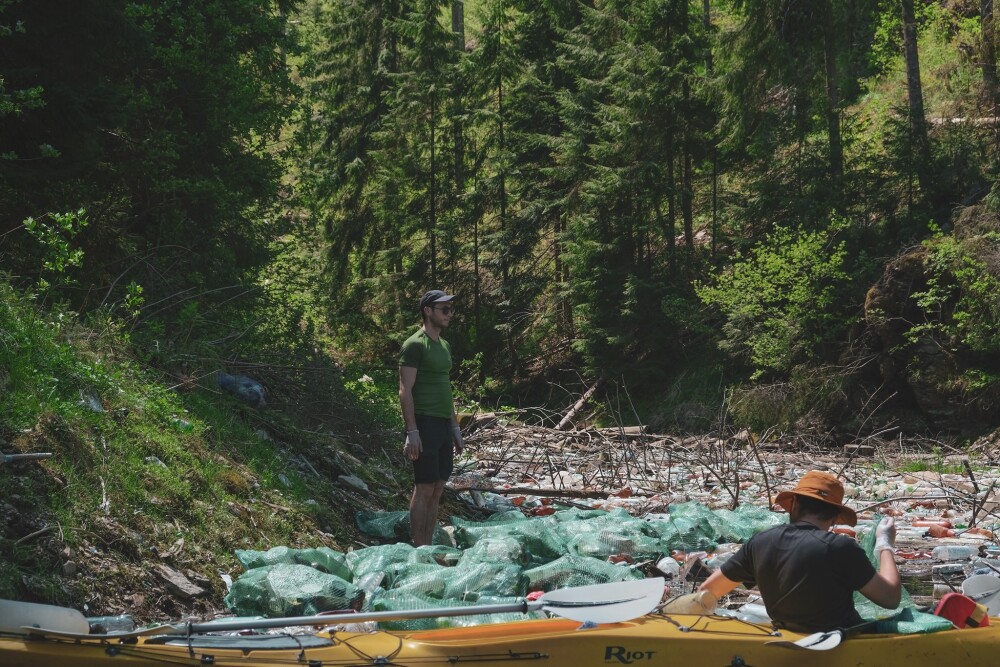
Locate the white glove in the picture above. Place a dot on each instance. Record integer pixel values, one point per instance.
(885, 536)
(701, 603)
(413, 445)
(456, 435)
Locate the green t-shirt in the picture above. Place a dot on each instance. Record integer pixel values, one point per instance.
(432, 388)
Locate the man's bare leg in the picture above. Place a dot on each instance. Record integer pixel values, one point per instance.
(423, 511)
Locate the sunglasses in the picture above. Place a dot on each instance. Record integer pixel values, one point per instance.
(445, 310)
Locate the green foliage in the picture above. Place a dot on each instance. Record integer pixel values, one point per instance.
(376, 391)
(56, 233)
(158, 119)
(140, 469)
(960, 303)
(813, 396)
(782, 301)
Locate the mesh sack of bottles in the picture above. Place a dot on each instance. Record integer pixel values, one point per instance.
(476, 562)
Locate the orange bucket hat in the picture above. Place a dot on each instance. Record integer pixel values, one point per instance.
(823, 487)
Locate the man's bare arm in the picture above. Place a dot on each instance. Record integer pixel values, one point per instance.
(885, 588)
(413, 446)
(407, 376)
(718, 584)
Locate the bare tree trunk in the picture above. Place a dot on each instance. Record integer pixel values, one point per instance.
(988, 55)
(687, 200)
(920, 144)
(832, 102)
(458, 94)
(713, 149)
(671, 230)
(432, 222)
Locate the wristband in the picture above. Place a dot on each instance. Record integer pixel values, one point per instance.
(415, 430)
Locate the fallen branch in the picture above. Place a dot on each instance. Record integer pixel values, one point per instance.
(33, 535)
(568, 418)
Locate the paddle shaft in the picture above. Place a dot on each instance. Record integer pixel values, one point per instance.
(524, 606)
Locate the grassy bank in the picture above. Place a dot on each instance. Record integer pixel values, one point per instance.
(148, 472)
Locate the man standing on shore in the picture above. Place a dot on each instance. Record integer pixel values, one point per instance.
(428, 411)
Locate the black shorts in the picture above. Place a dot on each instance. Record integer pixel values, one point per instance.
(437, 457)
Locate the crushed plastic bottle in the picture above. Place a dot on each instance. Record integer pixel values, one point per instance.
(954, 552)
(107, 625)
(754, 613)
(716, 561)
(668, 566)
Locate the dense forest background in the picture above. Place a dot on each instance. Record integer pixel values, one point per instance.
(778, 212)
(778, 218)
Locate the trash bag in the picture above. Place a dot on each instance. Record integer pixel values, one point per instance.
(747, 520)
(387, 558)
(609, 542)
(384, 525)
(291, 590)
(569, 571)
(394, 526)
(472, 580)
(500, 549)
(905, 619)
(422, 579)
(242, 387)
(537, 537)
(689, 527)
(323, 559)
(576, 514)
(436, 554)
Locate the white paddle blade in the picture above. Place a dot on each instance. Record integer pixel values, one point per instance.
(819, 641)
(605, 603)
(16, 615)
(984, 589)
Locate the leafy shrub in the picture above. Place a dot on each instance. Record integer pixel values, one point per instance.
(960, 303)
(783, 300)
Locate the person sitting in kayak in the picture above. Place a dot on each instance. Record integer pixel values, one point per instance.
(806, 574)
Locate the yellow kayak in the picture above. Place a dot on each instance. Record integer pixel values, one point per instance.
(653, 639)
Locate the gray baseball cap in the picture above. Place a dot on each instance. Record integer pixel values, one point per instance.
(434, 296)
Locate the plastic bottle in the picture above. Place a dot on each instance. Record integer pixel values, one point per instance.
(754, 613)
(954, 552)
(716, 561)
(106, 625)
(668, 566)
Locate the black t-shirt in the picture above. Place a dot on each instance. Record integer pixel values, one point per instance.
(807, 576)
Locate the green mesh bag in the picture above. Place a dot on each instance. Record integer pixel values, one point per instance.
(538, 540)
(747, 520)
(381, 558)
(384, 525)
(610, 535)
(435, 554)
(467, 532)
(569, 571)
(500, 549)
(576, 514)
(905, 619)
(394, 526)
(323, 559)
(685, 534)
(290, 590)
(472, 580)
(421, 579)
(497, 519)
